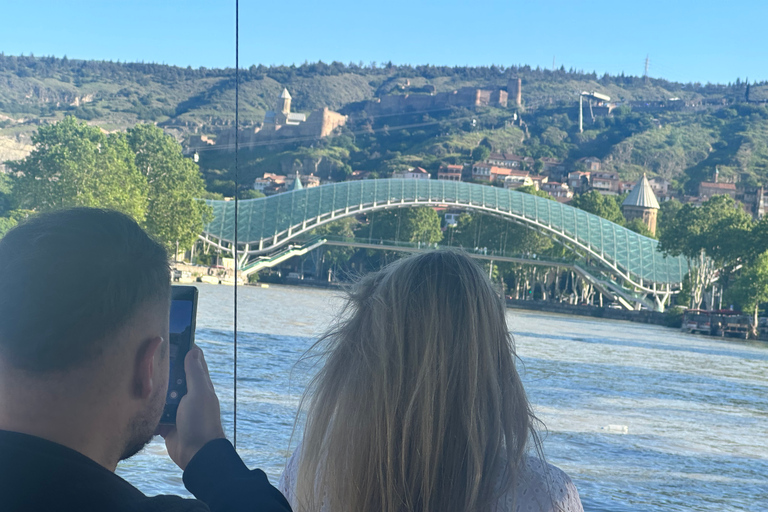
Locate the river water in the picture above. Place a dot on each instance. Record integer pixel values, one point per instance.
(695, 408)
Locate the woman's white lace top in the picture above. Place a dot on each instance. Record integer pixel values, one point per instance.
(541, 487)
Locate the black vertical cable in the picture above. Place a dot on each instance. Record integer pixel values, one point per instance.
(237, 150)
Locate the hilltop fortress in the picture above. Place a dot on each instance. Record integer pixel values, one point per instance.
(281, 125)
(468, 97)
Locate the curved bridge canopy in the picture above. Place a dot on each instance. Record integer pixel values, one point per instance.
(269, 222)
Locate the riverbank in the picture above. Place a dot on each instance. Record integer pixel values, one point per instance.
(643, 317)
(220, 276)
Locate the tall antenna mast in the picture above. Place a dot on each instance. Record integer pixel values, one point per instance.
(647, 65)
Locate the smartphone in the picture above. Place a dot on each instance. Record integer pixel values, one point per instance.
(182, 331)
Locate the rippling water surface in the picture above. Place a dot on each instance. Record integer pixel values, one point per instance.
(695, 408)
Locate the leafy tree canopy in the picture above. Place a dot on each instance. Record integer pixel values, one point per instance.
(74, 164)
(408, 225)
(604, 206)
(141, 173)
(720, 228)
(530, 189)
(175, 212)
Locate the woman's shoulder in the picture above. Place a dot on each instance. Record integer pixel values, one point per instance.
(541, 487)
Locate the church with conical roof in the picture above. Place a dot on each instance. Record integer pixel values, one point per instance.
(641, 203)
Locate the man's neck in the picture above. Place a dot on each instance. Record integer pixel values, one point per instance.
(58, 420)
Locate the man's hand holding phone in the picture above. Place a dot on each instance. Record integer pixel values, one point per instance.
(198, 418)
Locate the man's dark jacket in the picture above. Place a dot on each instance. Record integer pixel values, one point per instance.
(36, 474)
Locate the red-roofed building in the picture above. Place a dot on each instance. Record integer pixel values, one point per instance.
(482, 171)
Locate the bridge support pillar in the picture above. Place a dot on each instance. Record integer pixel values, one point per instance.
(244, 257)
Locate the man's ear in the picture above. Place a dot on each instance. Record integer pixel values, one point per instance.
(146, 368)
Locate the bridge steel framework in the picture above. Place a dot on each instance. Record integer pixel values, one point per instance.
(268, 223)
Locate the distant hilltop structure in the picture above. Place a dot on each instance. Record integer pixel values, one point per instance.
(282, 125)
(467, 97)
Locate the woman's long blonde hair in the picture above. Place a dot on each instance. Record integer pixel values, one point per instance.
(418, 406)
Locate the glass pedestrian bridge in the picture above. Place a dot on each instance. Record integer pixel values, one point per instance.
(266, 224)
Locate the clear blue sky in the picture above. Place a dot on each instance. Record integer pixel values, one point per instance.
(687, 40)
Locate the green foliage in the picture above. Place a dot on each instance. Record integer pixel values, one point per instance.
(497, 235)
(249, 193)
(751, 287)
(605, 206)
(638, 226)
(141, 173)
(10, 220)
(175, 212)
(342, 228)
(408, 225)
(667, 210)
(76, 165)
(719, 228)
(480, 153)
(531, 189)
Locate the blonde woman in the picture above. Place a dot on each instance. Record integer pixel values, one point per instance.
(418, 406)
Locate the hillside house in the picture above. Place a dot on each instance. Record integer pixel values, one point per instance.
(517, 179)
(510, 160)
(590, 163)
(605, 182)
(554, 168)
(557, 190)
(660, 186)
(450, 172)
(578, 181)
(412, 173)
(539, 181)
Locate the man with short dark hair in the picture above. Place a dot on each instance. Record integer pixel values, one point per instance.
(84, 362)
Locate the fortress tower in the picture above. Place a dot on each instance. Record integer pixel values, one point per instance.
(284, 103)
(515, 90)
(641, 203)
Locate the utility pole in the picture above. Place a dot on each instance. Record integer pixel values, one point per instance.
(581, 113)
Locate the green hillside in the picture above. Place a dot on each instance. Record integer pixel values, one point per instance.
(713, 127)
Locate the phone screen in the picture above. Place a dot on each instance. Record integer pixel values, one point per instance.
(182, 332)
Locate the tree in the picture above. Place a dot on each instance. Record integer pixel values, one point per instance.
(74, 164)
(638, 226)
(249, 193)
(750, 289)
(498, 236)
(409, 225)
(480, 153)
(601, 205)
(714, 238)
(532, 190)
(668, 210)
(338, 255)
(175, 212)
